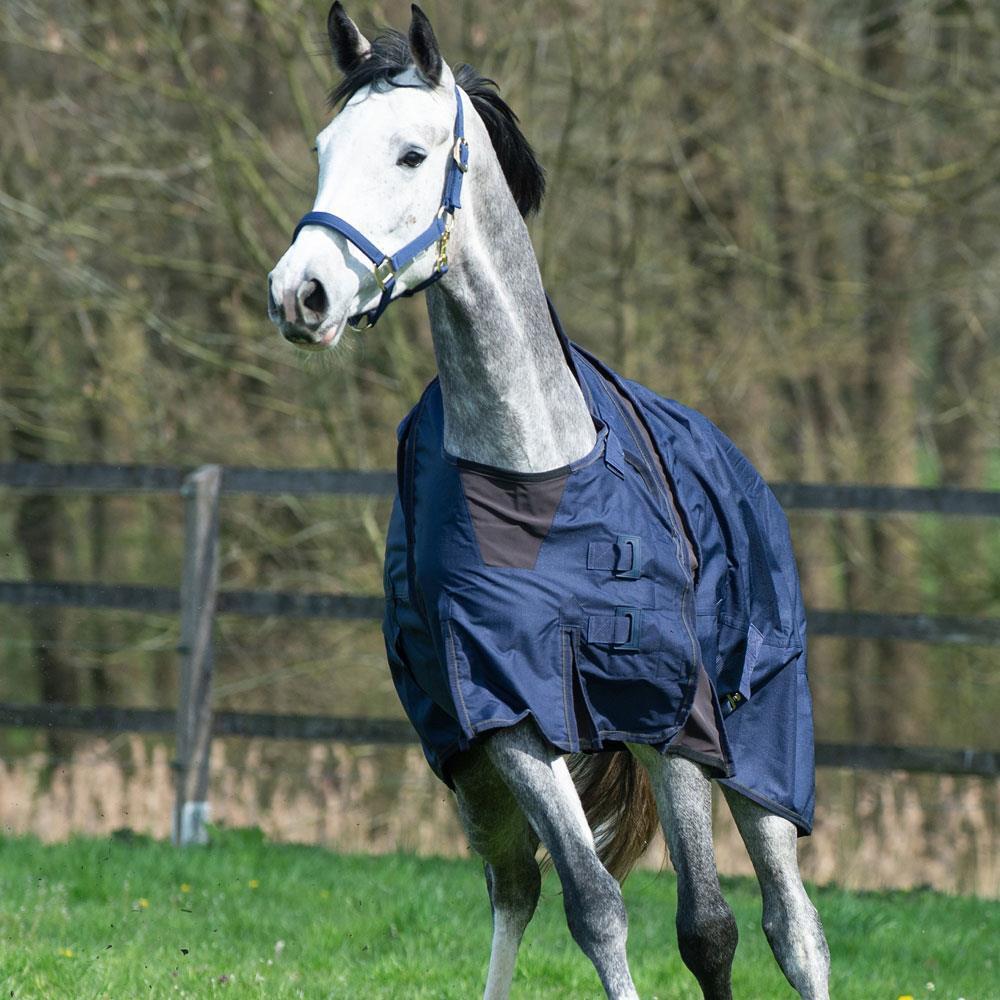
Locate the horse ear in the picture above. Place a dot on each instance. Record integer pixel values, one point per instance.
(424, 47)
(348, 44)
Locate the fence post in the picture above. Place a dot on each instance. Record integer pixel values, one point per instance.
(199, 586)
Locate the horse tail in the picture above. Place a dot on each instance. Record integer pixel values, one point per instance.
(618, 802)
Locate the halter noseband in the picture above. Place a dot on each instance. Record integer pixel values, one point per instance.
(386, 267)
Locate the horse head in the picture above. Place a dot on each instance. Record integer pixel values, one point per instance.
(384, 162)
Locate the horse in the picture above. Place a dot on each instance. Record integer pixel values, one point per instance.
(434, 162)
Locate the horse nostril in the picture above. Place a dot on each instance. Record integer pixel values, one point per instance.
(314, 298)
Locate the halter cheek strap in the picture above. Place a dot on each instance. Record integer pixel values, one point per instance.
(386, 266)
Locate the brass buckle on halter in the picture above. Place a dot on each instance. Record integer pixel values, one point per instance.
(441, 264)
(384, 274)
(363, 324)
(460, 144)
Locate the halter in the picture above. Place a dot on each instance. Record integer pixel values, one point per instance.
(386, 267)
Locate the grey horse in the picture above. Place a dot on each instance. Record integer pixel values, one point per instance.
(511, 402)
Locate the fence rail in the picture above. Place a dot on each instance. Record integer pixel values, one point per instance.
(126, 597)
(929, 760)
(41, 477)
(358, 607)
(194, 722)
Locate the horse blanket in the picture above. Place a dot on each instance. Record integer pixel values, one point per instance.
(645, 593)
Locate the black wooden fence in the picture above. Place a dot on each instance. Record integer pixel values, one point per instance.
(198, 600)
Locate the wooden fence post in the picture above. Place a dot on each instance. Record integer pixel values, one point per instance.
(199, 587)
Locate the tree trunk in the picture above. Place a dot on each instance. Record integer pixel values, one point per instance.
(959, 231)
(37, 525)
(887, 401)
(97, 505)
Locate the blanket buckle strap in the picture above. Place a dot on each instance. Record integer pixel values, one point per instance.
(634, 617)
(634, 544)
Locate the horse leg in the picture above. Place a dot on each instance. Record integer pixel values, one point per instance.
(540, 781)
(790, 920)
(706, 927)
(501, 835)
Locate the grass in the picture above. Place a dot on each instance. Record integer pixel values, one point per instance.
(244, 918)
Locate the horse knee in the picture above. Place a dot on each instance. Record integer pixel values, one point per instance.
(776, 922)
(707, 938)
(595, 912)
(795, 933)
(514, 889)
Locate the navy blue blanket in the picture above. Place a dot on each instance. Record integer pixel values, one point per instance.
(594, 597)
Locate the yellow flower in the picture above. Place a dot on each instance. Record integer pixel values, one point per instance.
(906, 996)
(185, 887)
(66, 952)
(143, 904)
(254, 884)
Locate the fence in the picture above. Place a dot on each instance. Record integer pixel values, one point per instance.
(198, 601)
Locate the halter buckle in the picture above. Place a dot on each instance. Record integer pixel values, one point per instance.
(441, 264)
(460, 153)
(384, 274)
(362, 324)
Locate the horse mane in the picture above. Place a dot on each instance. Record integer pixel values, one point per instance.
(390, 56)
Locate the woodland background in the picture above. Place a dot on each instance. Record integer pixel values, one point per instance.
(783, 213)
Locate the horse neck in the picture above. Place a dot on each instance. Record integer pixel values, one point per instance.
(510, 399)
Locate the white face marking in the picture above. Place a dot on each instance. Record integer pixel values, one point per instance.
(365, 179)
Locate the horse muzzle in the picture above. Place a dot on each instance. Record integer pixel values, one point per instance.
(302, 314)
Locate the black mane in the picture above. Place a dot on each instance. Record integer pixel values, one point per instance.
(390, 56)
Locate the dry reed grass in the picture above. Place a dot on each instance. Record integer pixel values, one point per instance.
(873, 831)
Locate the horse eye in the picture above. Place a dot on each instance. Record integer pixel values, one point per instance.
(413, 158)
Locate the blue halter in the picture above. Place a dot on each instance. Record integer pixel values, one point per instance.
(386, 266)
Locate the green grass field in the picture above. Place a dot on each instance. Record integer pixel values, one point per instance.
(243, 918)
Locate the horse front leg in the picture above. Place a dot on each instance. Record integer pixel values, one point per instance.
(790, 920)
(706, 927)
(539, 780)
(500, 834)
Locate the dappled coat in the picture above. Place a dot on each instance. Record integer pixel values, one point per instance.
(594, 596)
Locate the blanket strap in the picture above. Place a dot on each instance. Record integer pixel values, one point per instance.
(622, 557)
(620, 630)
